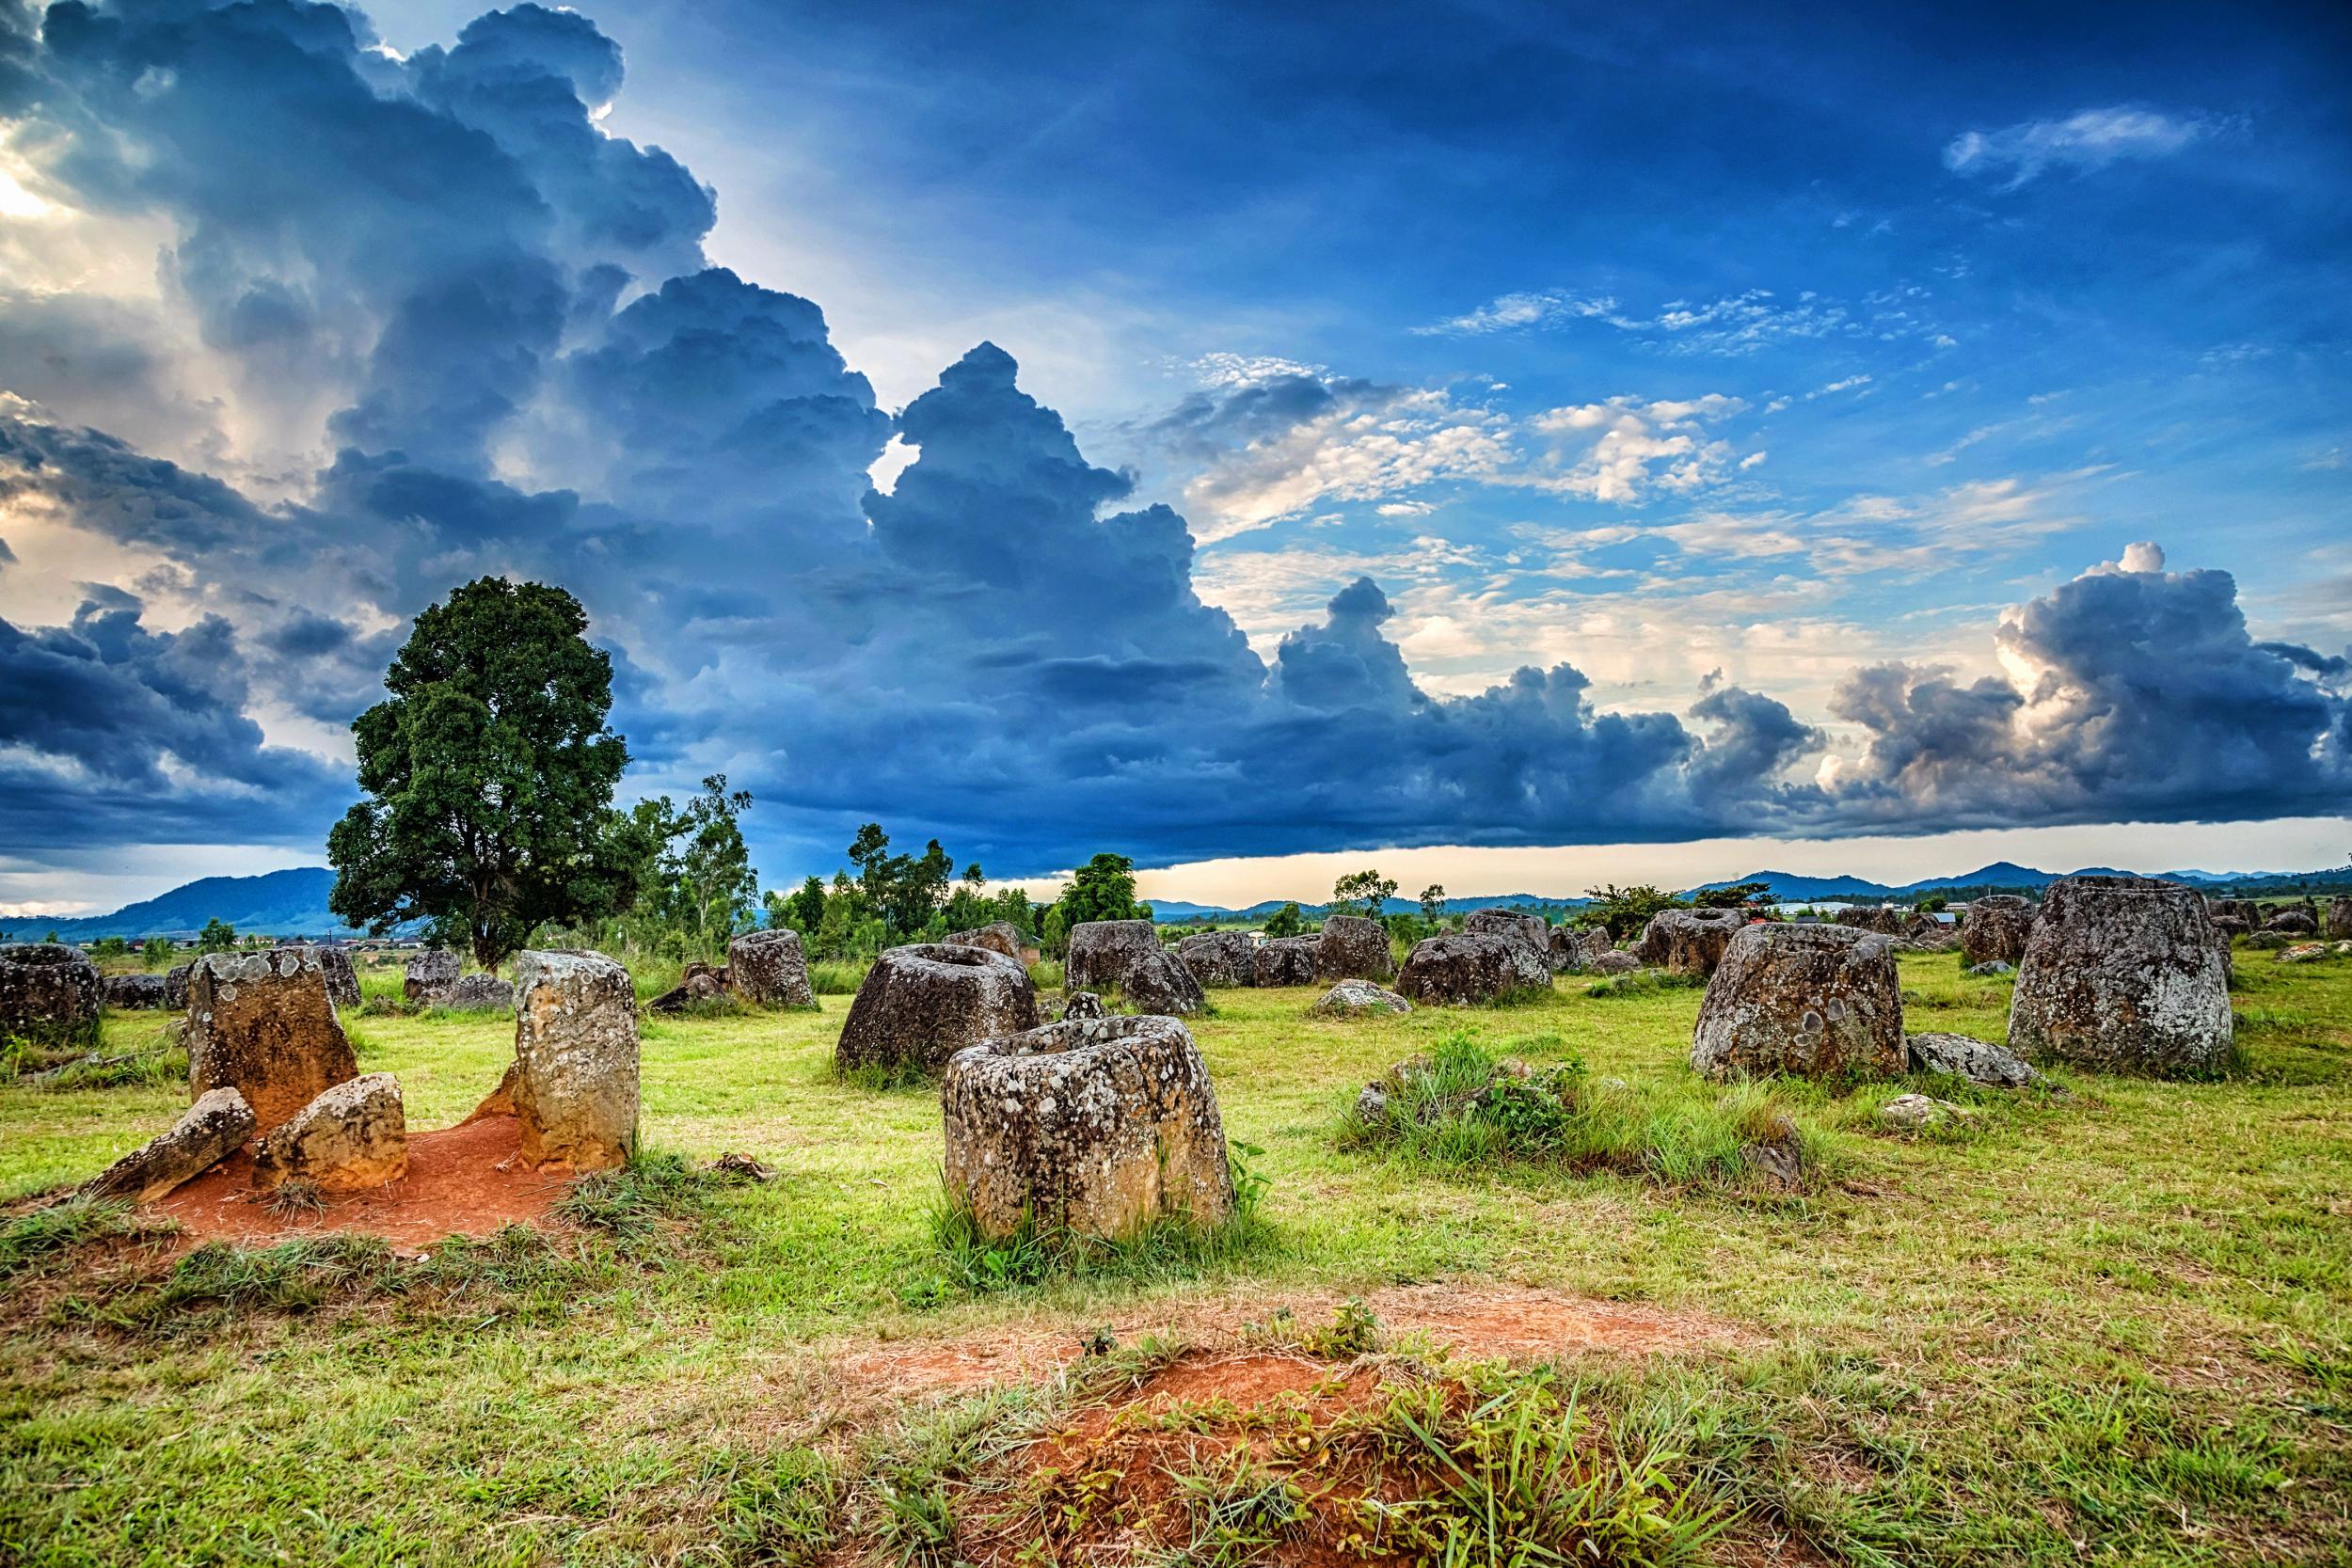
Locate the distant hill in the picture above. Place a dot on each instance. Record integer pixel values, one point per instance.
(1172, 910)
(288, 903)
(2002, 875)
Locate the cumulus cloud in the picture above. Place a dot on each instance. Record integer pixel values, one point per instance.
(482, 337)
(2087, 139)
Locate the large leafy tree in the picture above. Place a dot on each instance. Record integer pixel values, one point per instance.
(488, 773)
(1102, 889)
(703, 883)
(1366, 887)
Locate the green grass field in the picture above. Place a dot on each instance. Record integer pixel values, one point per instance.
(2113, 1324)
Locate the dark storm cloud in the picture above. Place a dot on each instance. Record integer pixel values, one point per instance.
(503, 321)
(101, 718)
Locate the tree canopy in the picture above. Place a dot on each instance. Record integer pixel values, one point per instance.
(488, 774)
(1366, 887)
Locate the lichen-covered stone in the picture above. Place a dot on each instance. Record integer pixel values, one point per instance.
(1612, 961)
(1220, 957)
(207, 1132)
(2339, 923)
(2122, 974)
(1976, 1060)
(1994, 929)
(2293, 923)
(430, 973)
(1125, 955)
(1457, 970)
(1530, 940)
(577, 1053)
(133, 993)
(176, 987)
(1353, 947)
(476, 993)
(1573, 948)
(263, 1024)
(342, 981)
(2303, 953)
(1285, 961)
(922, 1004)
(770, 968)
(49, 994)
(1688, 941)
(1350, 998)
(1082, 1005)
(354, 1135)
(1808, 1000)
(1872, 917)
(1101, 1126)
(1910, 1112)
(1000, 936)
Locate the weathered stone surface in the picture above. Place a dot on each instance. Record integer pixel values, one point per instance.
(2339, 917)
(1872, 917)
(1802, 999)
(1612, 961)
(770, 968)
(354, 1135)
(1083, 1004)
(1910, 1111)
(1352, 947)
(1689, 941)
(1352, 997)
(476, 993)
(1456, 971)
(342, 981)
(133, 993)
(702, 986)
(1976, 1060)
(1125, 955)
(263, 1024)
(1994, 929)
(176, 987)
(998, 937)
(207, 1132)
(1924, 933)
(1285, 961)
(922, 1004)
(2122, 974)
(2235, 908)
(2293, 923)
(2303, 953)
(1102, 1125)
(2233, 926)
(429, 973)
(49, 994)
(1529, 937)
(1220, 957)
(501, 1101)
(1574, 947)
(575, 1047)
(1986, 971)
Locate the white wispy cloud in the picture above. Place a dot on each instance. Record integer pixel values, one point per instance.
(1731, 325)
(2086, 139)
(1625, 449)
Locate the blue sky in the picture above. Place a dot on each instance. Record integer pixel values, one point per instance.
(1765, 391)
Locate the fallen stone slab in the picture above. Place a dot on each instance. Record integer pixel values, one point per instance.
(207, 1132)
(354, 1136)
(1976, 1060)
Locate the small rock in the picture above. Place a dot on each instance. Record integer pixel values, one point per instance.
(1971, 1059)
(1985, 971)
(1083, 1004)
(742, 1168)
(2302, 953)
(207, 1132)
(1353, 997)
(1373, 1105)
(1910, 1111)
(703, 987)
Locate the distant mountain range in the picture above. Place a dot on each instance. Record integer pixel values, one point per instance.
(288, 903)
(294, 903)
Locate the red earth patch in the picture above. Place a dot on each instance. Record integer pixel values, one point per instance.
(462, 1180)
